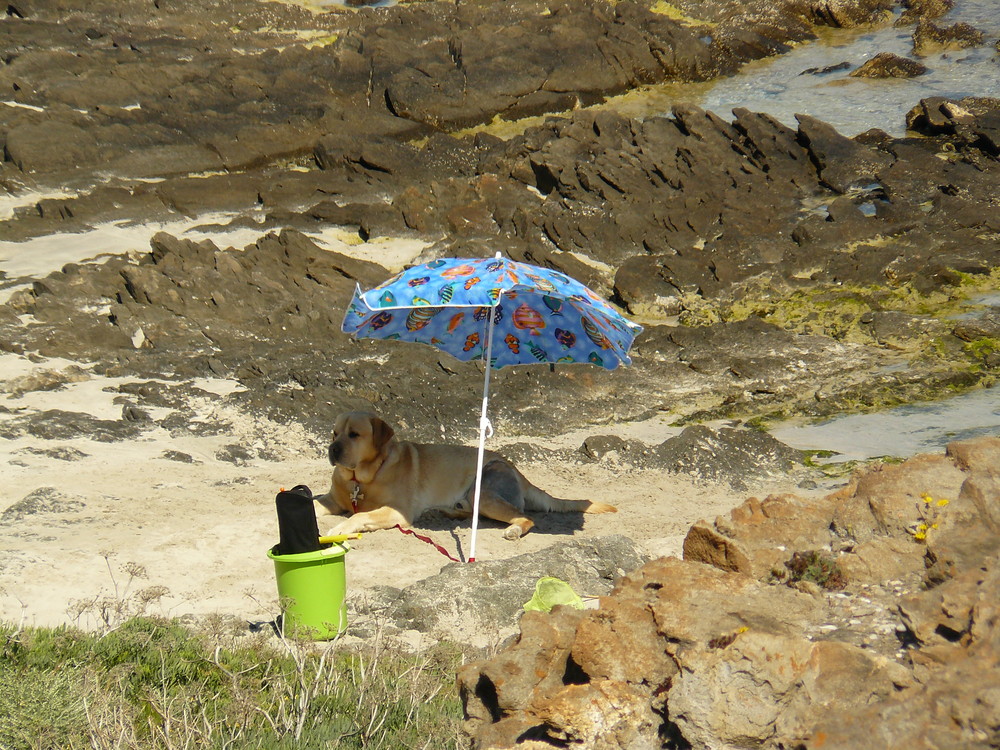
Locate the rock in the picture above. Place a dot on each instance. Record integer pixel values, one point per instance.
(493, 592)
(929, 38)
(49, 502)
(844, 14)
(765, 686)
(758, 537)
(985, 326)
(887, 500)
(55, 424)
(826, 69)
(234, 454)
(842, 163)
(915, 10)
(728, 659)
(898, 330)
(729, 455)
(888, 65)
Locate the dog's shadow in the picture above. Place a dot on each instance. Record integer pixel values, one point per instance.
(545, 523)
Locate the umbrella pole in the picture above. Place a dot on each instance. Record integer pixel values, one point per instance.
(484, 425)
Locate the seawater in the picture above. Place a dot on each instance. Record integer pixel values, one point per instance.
(782, 87)
(903, 431)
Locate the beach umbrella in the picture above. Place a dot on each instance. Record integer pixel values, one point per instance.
(497, 310)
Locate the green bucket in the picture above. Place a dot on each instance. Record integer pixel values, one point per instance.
(312, 592)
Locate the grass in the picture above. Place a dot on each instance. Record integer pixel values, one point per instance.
(153, 683)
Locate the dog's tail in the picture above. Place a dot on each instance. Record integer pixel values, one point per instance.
(538, 499)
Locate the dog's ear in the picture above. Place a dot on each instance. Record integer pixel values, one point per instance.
(382, 433)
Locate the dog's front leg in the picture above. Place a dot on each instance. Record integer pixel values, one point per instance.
(326, 506)
(337, 501)
(372, 520)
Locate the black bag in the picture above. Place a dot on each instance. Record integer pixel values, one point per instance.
(297, 529)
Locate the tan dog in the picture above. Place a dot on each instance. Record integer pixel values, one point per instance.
(398, 480)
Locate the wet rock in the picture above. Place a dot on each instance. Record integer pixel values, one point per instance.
(938, 115)
(826, 69)
(848, 15)
(985, 326)
(915, 10)
(899, 330)
(929, 38)
(888, 65)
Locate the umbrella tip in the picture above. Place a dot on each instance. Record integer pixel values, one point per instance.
(497, 255)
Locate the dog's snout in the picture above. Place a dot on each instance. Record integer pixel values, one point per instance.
(334, 452)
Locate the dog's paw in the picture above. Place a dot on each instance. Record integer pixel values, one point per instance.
(513, 533)
(347, 526)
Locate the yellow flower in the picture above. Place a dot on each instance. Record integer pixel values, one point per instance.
(922, 527)
(933, 525)
(942, 503)
(920, 535)
(927, 498)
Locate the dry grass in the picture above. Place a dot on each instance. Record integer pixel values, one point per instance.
(151, 683)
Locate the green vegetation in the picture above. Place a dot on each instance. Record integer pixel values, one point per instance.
(814, 567)
(152, 683)
(836, 310)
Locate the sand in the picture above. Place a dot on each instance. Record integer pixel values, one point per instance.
(121, 518)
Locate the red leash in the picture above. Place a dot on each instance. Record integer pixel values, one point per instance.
(410, 532)
(429, 541)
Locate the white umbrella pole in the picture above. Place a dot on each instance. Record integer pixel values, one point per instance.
(484, 426)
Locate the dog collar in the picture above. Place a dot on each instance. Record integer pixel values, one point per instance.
(355, 494)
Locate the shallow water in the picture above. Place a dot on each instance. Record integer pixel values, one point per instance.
(780, 87)
(904, 431)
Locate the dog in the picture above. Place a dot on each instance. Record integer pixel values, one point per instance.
(386, 482)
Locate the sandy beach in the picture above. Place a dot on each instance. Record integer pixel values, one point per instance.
(84, 521)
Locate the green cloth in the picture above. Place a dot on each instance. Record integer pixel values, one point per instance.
(551, 591)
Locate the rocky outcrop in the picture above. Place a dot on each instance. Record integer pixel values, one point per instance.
(777, 307)
(480, 604)
(864, 618)
(181, 87)
(728, 455)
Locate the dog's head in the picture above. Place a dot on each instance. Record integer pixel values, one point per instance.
(358, 437)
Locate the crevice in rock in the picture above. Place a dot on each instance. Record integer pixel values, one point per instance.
(574, 674)
(540, 733)
(486, 692)
(670, 734)
(949, 634)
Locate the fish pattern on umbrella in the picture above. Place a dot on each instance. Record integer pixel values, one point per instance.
(540, 315)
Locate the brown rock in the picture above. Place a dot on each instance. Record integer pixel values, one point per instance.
(929, 38)
(765, 686)
(888, 65)
(886, 500)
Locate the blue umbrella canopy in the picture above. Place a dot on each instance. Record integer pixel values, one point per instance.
(497, 310)
(539, 315)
